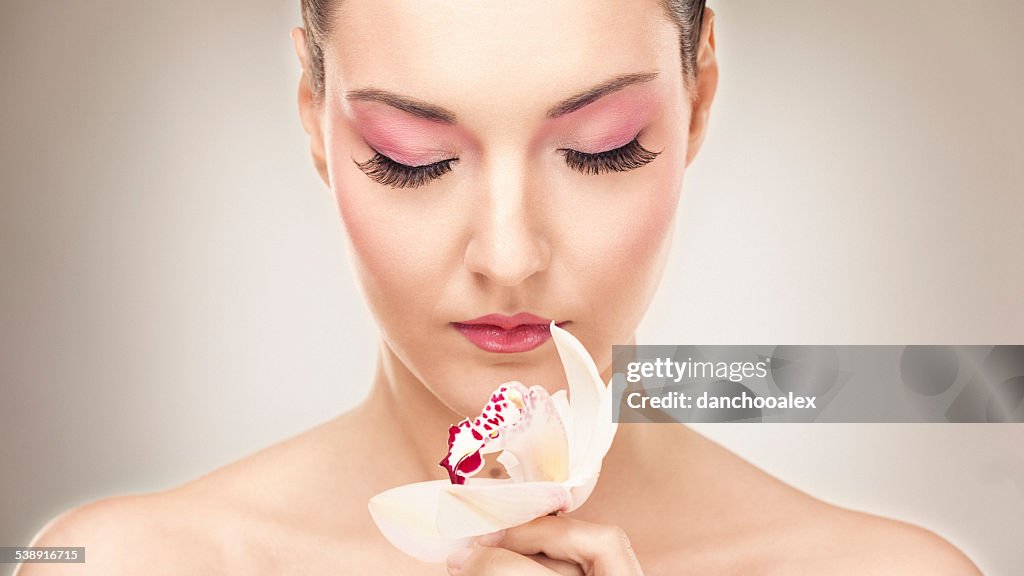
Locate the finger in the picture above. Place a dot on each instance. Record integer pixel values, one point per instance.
(598, 549)
(560, 567)
(487, 561)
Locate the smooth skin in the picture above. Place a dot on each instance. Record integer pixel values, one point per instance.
(512, 227)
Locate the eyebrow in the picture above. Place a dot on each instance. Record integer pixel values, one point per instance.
(403, 103)
(438, 114)
(597, 92)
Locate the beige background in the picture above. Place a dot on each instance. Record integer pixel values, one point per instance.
(175, 291)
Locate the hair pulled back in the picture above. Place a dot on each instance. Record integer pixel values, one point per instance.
(688, 16)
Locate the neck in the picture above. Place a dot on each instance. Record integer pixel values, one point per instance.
(411, 422)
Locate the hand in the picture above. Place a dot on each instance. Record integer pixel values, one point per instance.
(547, 546)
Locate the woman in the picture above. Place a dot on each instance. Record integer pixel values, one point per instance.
(497, 165)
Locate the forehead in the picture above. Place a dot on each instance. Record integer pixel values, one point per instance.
(493, 57)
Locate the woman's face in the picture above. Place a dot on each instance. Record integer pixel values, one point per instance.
(547, 140)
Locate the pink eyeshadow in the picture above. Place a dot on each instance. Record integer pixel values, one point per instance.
(606, 124)
(402, 137)
(609, 123)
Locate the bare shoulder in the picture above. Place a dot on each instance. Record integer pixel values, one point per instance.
(740, 519)
(860, 543)
(829, 540)
(124, 534)
(276, 510)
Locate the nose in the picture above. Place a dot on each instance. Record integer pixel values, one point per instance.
(508, 242)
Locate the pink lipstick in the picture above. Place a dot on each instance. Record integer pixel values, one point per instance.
(506, 334)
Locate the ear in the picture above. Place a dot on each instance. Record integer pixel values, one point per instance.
(705, 86)
(310, 109)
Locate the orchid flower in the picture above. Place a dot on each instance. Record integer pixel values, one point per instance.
(551, 447)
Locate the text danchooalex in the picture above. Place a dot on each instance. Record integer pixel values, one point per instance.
(551, 447)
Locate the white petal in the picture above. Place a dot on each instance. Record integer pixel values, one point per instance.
(584, 477)
(538, 441)
(561, 402)
(407, 516)
(585, 390)
(580, 490)
(512, 467)
(589, 463)
(476, 508)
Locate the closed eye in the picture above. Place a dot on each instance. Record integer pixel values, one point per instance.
(627, 157)
(386, 171)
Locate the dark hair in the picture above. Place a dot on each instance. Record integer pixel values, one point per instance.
(688, 16)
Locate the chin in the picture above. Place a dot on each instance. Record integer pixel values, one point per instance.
(467, 390)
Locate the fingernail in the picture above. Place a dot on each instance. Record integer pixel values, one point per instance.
(490, 539)
(457, 559)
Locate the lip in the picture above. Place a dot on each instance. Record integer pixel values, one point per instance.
(506, 334)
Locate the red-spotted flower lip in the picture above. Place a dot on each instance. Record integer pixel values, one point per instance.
(467, 439)
(507, 322)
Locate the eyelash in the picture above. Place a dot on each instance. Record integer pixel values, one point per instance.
(628, 157)
(386, 171)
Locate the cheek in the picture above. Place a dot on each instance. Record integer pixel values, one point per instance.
(621, 251)
(636, 254)
(403, 248)
(636, 215)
